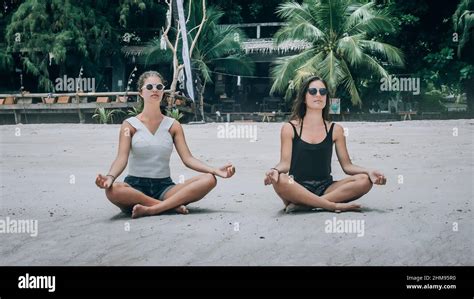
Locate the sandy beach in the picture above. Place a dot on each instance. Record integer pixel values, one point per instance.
(423, 216)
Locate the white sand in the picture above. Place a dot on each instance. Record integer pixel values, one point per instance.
(405, 224)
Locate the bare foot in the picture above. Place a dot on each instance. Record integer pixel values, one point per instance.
(345, 207)
(182, 210)
(139, 211)
(290, 208)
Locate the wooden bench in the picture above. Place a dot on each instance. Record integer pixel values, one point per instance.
(268, 116)
(406, 114)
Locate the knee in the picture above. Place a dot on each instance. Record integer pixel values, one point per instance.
(364, 182)
(284, 181)
(112, 192)
(210, 180)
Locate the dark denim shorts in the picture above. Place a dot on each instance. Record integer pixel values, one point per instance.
(155, 188)
(317, 187)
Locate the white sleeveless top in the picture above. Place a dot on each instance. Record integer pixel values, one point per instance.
(150, 154)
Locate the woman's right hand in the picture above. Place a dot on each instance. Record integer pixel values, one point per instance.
(271, 177)
(104, 182)
(345, 207)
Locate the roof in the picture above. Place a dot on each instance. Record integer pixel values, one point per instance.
(257, 45)
(268, 46)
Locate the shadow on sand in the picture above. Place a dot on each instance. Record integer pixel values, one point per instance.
(192, 211)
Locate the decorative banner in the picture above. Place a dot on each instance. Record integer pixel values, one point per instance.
(186, 58)
(335, 106)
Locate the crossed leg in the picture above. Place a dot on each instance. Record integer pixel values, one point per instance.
(191, 190)
(339, 192)
(125, 196)
(348, 189)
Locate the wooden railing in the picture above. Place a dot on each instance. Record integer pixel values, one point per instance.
(77, 103)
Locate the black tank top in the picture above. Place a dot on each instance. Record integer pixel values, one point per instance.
(311, 162)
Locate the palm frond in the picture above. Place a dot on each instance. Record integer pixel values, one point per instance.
(235, 64)
(203, 70)
(388, 52)
(154, 53)
(299, 31)
(349, 49)
(331, 71)
(375, 68)
(291, 10)
(358, 12)
(371, 26)
(284, 69)
(331, 14)
(349, 84)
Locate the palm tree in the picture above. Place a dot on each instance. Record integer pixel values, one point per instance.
(342, 41)
(218, 47)
(463, 20)
(6, 60)
(213, 46)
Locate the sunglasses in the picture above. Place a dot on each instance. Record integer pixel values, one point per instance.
(159, 86)
(314, 91)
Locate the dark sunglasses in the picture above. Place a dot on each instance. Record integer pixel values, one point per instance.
(159, 86)
(314, 91)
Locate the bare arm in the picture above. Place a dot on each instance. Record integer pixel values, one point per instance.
(283, 166)
(343, 155)
(191, 162)
(286, 137)
(375, 176)
(120, 162)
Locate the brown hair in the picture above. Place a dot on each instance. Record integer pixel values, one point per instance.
(299, 105)
(146, 75)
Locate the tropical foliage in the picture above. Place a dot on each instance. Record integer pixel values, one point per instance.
(463, 20)
(175, 113)
(106, 116)
(213, 46)
(344, 45)
(50, 31)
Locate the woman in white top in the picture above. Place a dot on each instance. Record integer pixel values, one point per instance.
(146, 142)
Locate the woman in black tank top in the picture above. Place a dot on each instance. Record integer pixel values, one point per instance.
(303, 177)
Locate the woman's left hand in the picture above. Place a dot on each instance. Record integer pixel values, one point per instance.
(225, 171)
(377, 177)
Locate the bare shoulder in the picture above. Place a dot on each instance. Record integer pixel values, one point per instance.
(287, 130)
(295, 122)
(126, 126)
(175, 128)
(338, 131)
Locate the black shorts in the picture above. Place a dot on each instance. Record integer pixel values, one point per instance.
(155, 188)
(317, 187)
